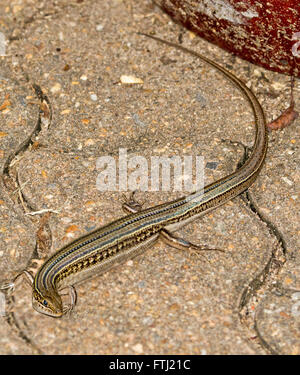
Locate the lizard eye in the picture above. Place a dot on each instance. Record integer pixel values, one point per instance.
(45, 303)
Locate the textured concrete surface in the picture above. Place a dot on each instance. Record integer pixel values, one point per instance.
(67, 58)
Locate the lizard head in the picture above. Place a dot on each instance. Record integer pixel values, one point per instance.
(47, 303)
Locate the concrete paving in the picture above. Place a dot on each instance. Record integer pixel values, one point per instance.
(62, 106)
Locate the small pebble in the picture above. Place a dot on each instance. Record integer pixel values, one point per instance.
(138, 348)
(56, 88)
(295, 296)
(137, 120)
(211, 165)
(89, 142)
(66, 220)
(99, 27)
(130, 79)
(201, 99)
(287, 180)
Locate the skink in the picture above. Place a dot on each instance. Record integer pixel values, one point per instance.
(127, 237)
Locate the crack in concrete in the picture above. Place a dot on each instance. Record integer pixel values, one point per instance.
(274, 264)
(15, 325)
(9, 183)
(23, 146)
(262, 281)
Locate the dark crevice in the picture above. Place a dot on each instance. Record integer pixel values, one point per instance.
(23, 146)
(22, 198)
(263, 342)
(274, 264)
(11, 181)
(15, 325)
(272, 228)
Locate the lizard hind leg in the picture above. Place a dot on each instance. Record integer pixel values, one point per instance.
(181, 244)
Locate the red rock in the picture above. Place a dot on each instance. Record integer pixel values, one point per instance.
(264, 32)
